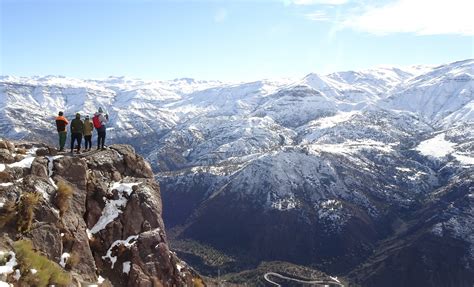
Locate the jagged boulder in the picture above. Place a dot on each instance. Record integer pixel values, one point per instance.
(39, 167)
(156, 261)
(4, 144)
(6, 156)
(48, 239)
(46, 151)
(123, 180)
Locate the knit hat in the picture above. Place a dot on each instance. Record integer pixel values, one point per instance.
(101, 110)
(60, 113)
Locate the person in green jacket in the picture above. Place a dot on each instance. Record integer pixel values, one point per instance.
(77, 129)
(88, 129)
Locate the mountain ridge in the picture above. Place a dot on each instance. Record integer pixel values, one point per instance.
(338, 162)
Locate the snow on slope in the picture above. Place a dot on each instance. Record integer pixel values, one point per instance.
(134, 106)
(209, 121)
(320, 144)
(441, 96)
(437, 147)
(377, 82)
(332, 121)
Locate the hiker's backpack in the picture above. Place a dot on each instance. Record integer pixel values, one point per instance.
(96, 122)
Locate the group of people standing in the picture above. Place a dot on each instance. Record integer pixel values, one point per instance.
(81, 128)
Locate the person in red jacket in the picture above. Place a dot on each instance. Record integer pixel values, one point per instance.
(61, 123)
(100, 121)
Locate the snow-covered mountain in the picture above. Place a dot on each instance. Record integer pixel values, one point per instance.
(315, 170)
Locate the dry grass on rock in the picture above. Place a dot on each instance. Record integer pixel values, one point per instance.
(63, 197)
(25, 210)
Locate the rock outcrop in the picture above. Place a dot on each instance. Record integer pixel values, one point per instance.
(97, 214)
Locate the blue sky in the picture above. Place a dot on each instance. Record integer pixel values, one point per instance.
(228, 40)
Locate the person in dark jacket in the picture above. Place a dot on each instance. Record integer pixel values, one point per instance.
(61, 123)
(88, 128)
(102, 120)
(77, 129)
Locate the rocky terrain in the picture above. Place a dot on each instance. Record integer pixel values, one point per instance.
(92, 218)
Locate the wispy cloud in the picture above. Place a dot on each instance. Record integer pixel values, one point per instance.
(220, 15)
(315, 2)
(421, 17)
(318, 16)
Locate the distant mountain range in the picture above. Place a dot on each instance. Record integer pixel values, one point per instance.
(367, 175)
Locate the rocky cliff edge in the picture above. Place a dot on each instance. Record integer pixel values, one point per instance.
(83, 219)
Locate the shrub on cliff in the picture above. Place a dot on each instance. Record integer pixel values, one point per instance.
(47, 271)
(197, 282)
(25, 210)
(63, 197)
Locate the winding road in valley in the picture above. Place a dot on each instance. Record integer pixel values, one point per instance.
(333, 282)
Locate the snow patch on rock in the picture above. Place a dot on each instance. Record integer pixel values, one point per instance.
(11, 263)
(113, 207)
(64, 258)
(126, 267)
(24, 163)
(51, 160)
(129, 242)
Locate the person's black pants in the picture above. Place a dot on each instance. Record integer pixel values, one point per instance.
(76, 137)
(100, 139)
(88, 141)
